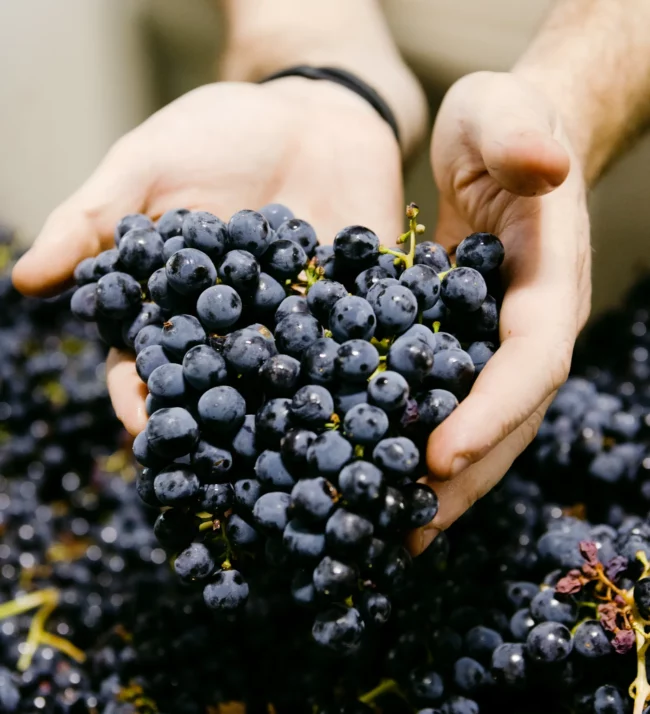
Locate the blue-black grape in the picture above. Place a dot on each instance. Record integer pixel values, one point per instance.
(335, 580)
(204, 231)
(222, 410)
(272, 473)
(172, 432)
(271, 511)
(298, 231)
(347, 533)
(295, 333)
(435, 406)
(453, 371)
(395, 308)
(284, 259)
(228, 592)
(388, 391)
(189, 271)
(329, 453)
(118, 295)
(217, 498)
(482, 251)
(194, 563)
(424, 283)
(204, 368)
(361, 484)
(463, 289)
(180, 334)
(141, 252)
(312, 406)
(272, 421)
(83, 303)
(590, 640)
(176, 485)
(322, 297)
(268, 296)
(365, 425)
(351, 318)
(397, 456)
(319, 361)
(294, 446)
(339, 628)
(171, 223)
(245, 351)
(356, 246)
(421, 504)
(368, 278)
(412, 358)
(303, 543)
(433, 255)
(291, 304)
(280, 375)
(149, 359)
(241, 271)
(313, 499)
(549, 642)
(356, 360)
(211, 463)
(218, 307)
(276, 214)
(167, 384)
(129, 222)
(249, 231)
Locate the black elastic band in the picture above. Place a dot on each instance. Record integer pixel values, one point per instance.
(346, 79)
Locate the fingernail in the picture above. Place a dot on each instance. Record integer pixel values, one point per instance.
(460, 463)
(428, 536)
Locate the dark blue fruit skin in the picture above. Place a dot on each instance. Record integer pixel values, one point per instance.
(347, 533)
(241, 533)
(482, 251)
(509, 665)
(391, 514)
(228, 592)
(361, 484)
(246, 492)
(452, 370)
(141, 252)
(164, 295)
(549, 642)
(356, 246)
(435, 406)
(222, 410)
(480, 643)
(268, 296)
(312, 499)
(444, 341)
(348, 396)
(433, 255)
(425, 686)
(412, 358)
(319, 361)
(388, 391)
(83, 303)
(245, 351)
(292, 304)
(175, 485)
(479, 324)
(217, 498)
(218, 307)
(421, 504)
(277, 214)
(521, 623)
(312, 405)
(351, 318)
(470, 676)
(272, 473)
(84, 272)
(167, 384)
(190, 272)
(480, 352)
(395, 308)
(293, 448)
(284, 259)
(397, 456)
(368, 278)
(204, 231)
(143, 454)
(438, 313)
(244, 442)
(118, 295)
(375, 608)
(322, 297)
(127, 223)
(339, 629)
(174, 529)
(391, 264)
(106, 262)
(272, 421)
(211, 463)
(150, 314)
(149, 359)
(303, 544)
(145, 489)
(422, 333)
(295, 333)
(335, 580)
(172, 432)
(171, 223)
(302, 588)
(204, 368)
(300, 232)
(424, 283)
(329, 454)
(173, 245)
(463, 289)
(609, 700)
(250, 231)
(365, 425)
(280, 376)
(459, 705)
(356, 360)
(194, 563)
(181, 333)
(271, 511)
(590, 640)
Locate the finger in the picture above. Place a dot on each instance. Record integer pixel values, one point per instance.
(83, 225)
(458, 495)
(507, 128)
(127, 391)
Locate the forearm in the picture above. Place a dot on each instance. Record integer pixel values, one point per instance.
(592, 59)
(264, 36)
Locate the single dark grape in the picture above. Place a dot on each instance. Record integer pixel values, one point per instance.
(395, 308)
(298, 231)
(463, 289)
(292, 304)
(190, 272)
(228, 592)
(313, 499)
(172, 432)
(549, 642)
(312, 406)
(411, 358)
(322, 296)
(424, 283)
(352, 317)
(176, 485)
(453, 371)
(280, 376)
(129, 222)
(271, 511)
(250, 231)
(218, 307)
(397, 456)
(482, 251)
(361, 484)
(211, 463)
(171, 223)
(204, 368)
(118, 295)
(276, 214)
(365, 425)
(339, 628)
(222, 410)
(296, 333)
(356, 246)
(141, 252)
(272, 473)
(204, 231)
(329, 453)
(194, 563)
(433, 255)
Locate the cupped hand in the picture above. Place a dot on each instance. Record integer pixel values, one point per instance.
(311, 145)
(504, 165)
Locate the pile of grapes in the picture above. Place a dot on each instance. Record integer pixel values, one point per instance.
(292, 388)
(536, 601)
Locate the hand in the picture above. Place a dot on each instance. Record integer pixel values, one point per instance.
(311, 145)
(503, 164)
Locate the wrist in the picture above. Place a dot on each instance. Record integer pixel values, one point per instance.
(254, 52)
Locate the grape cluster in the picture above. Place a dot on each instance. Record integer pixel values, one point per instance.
(292, 387)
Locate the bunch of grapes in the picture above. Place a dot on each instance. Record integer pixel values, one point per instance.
(292, 387)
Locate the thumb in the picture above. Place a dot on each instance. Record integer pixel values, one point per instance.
(83, 225)
(512, 129)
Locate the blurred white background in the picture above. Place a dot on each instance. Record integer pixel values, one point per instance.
(77, 74)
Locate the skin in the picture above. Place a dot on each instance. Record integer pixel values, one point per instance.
(512, 153)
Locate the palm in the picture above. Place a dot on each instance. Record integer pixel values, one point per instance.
(230, 146)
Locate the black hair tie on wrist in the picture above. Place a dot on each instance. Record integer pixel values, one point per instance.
(345, 79)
